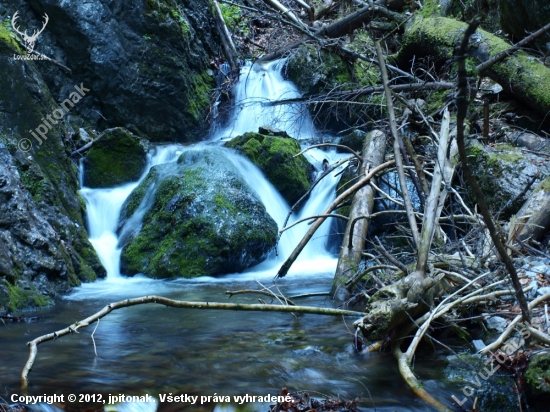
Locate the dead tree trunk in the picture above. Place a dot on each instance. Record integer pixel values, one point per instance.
(227, 42)
(374, 149)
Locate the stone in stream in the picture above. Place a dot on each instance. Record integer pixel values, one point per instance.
(274, 155)
(201, 219)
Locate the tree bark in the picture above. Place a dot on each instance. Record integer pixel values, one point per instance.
(534, 215)
(374, 149)
(520, 74)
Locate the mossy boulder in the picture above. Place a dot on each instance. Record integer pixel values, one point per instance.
(538, 373)
(494, 394)
(202, 220)
(115, 158)
(274, 155)
(503, 172)
(313, 70)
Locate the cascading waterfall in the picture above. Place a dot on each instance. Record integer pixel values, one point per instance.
(258, 84)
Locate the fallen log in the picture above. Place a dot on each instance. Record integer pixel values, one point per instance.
(374, 149)
(519, 74)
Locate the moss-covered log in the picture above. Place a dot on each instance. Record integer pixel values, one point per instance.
(521, 74)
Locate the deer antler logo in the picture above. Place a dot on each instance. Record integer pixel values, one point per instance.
(29, 40)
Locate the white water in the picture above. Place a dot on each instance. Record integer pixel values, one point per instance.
(256, 85)
(260, 84)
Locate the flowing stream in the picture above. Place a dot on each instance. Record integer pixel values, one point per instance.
(154, 350)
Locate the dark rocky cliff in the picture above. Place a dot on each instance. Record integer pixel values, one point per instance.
(143, 66)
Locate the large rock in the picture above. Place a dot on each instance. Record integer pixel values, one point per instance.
(201, 219)
(116, 157)
(145, 62)
(313, 70)
(503, 172)
(274, 155)
(44, 245)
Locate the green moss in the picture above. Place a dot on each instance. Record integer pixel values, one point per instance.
(430, 8)
(117, 157)
(544, 185)
(313, 70)
(203, 222)
(538, 372)
(8, 38)
(275, 158)
(19, 299)
(198, 95)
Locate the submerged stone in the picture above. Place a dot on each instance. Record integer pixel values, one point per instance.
(203, 219)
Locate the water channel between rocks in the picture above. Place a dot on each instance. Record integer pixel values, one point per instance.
(151, 349)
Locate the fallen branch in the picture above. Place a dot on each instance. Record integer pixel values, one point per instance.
(305, 196)
(495, 345)
(284, 229)
(364, 91)
(33, 345)
(396, 147)
(227, 42)
(503, 54)
(462, 106)
(231, 293)
(364, 181)
(339, 146)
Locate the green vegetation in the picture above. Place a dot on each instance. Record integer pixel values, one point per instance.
(203, 221)
(20, 299)
(117, 157)
(233, 18)
(275, 158)
(538, 372)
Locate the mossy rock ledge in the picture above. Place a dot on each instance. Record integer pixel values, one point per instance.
(274, 155)
(503, 172)
(201, 219)
(115, 158)
(313, 70)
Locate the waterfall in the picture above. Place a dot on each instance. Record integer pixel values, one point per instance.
(257, 85)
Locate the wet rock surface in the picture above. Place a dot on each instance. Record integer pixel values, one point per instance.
(116, 157)
(145, 62)
(199, 218)
(274, 155)
(44, 247)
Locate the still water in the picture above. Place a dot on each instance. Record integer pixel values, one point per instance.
(153, 350)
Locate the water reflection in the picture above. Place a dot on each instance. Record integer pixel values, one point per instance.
(151, 349)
